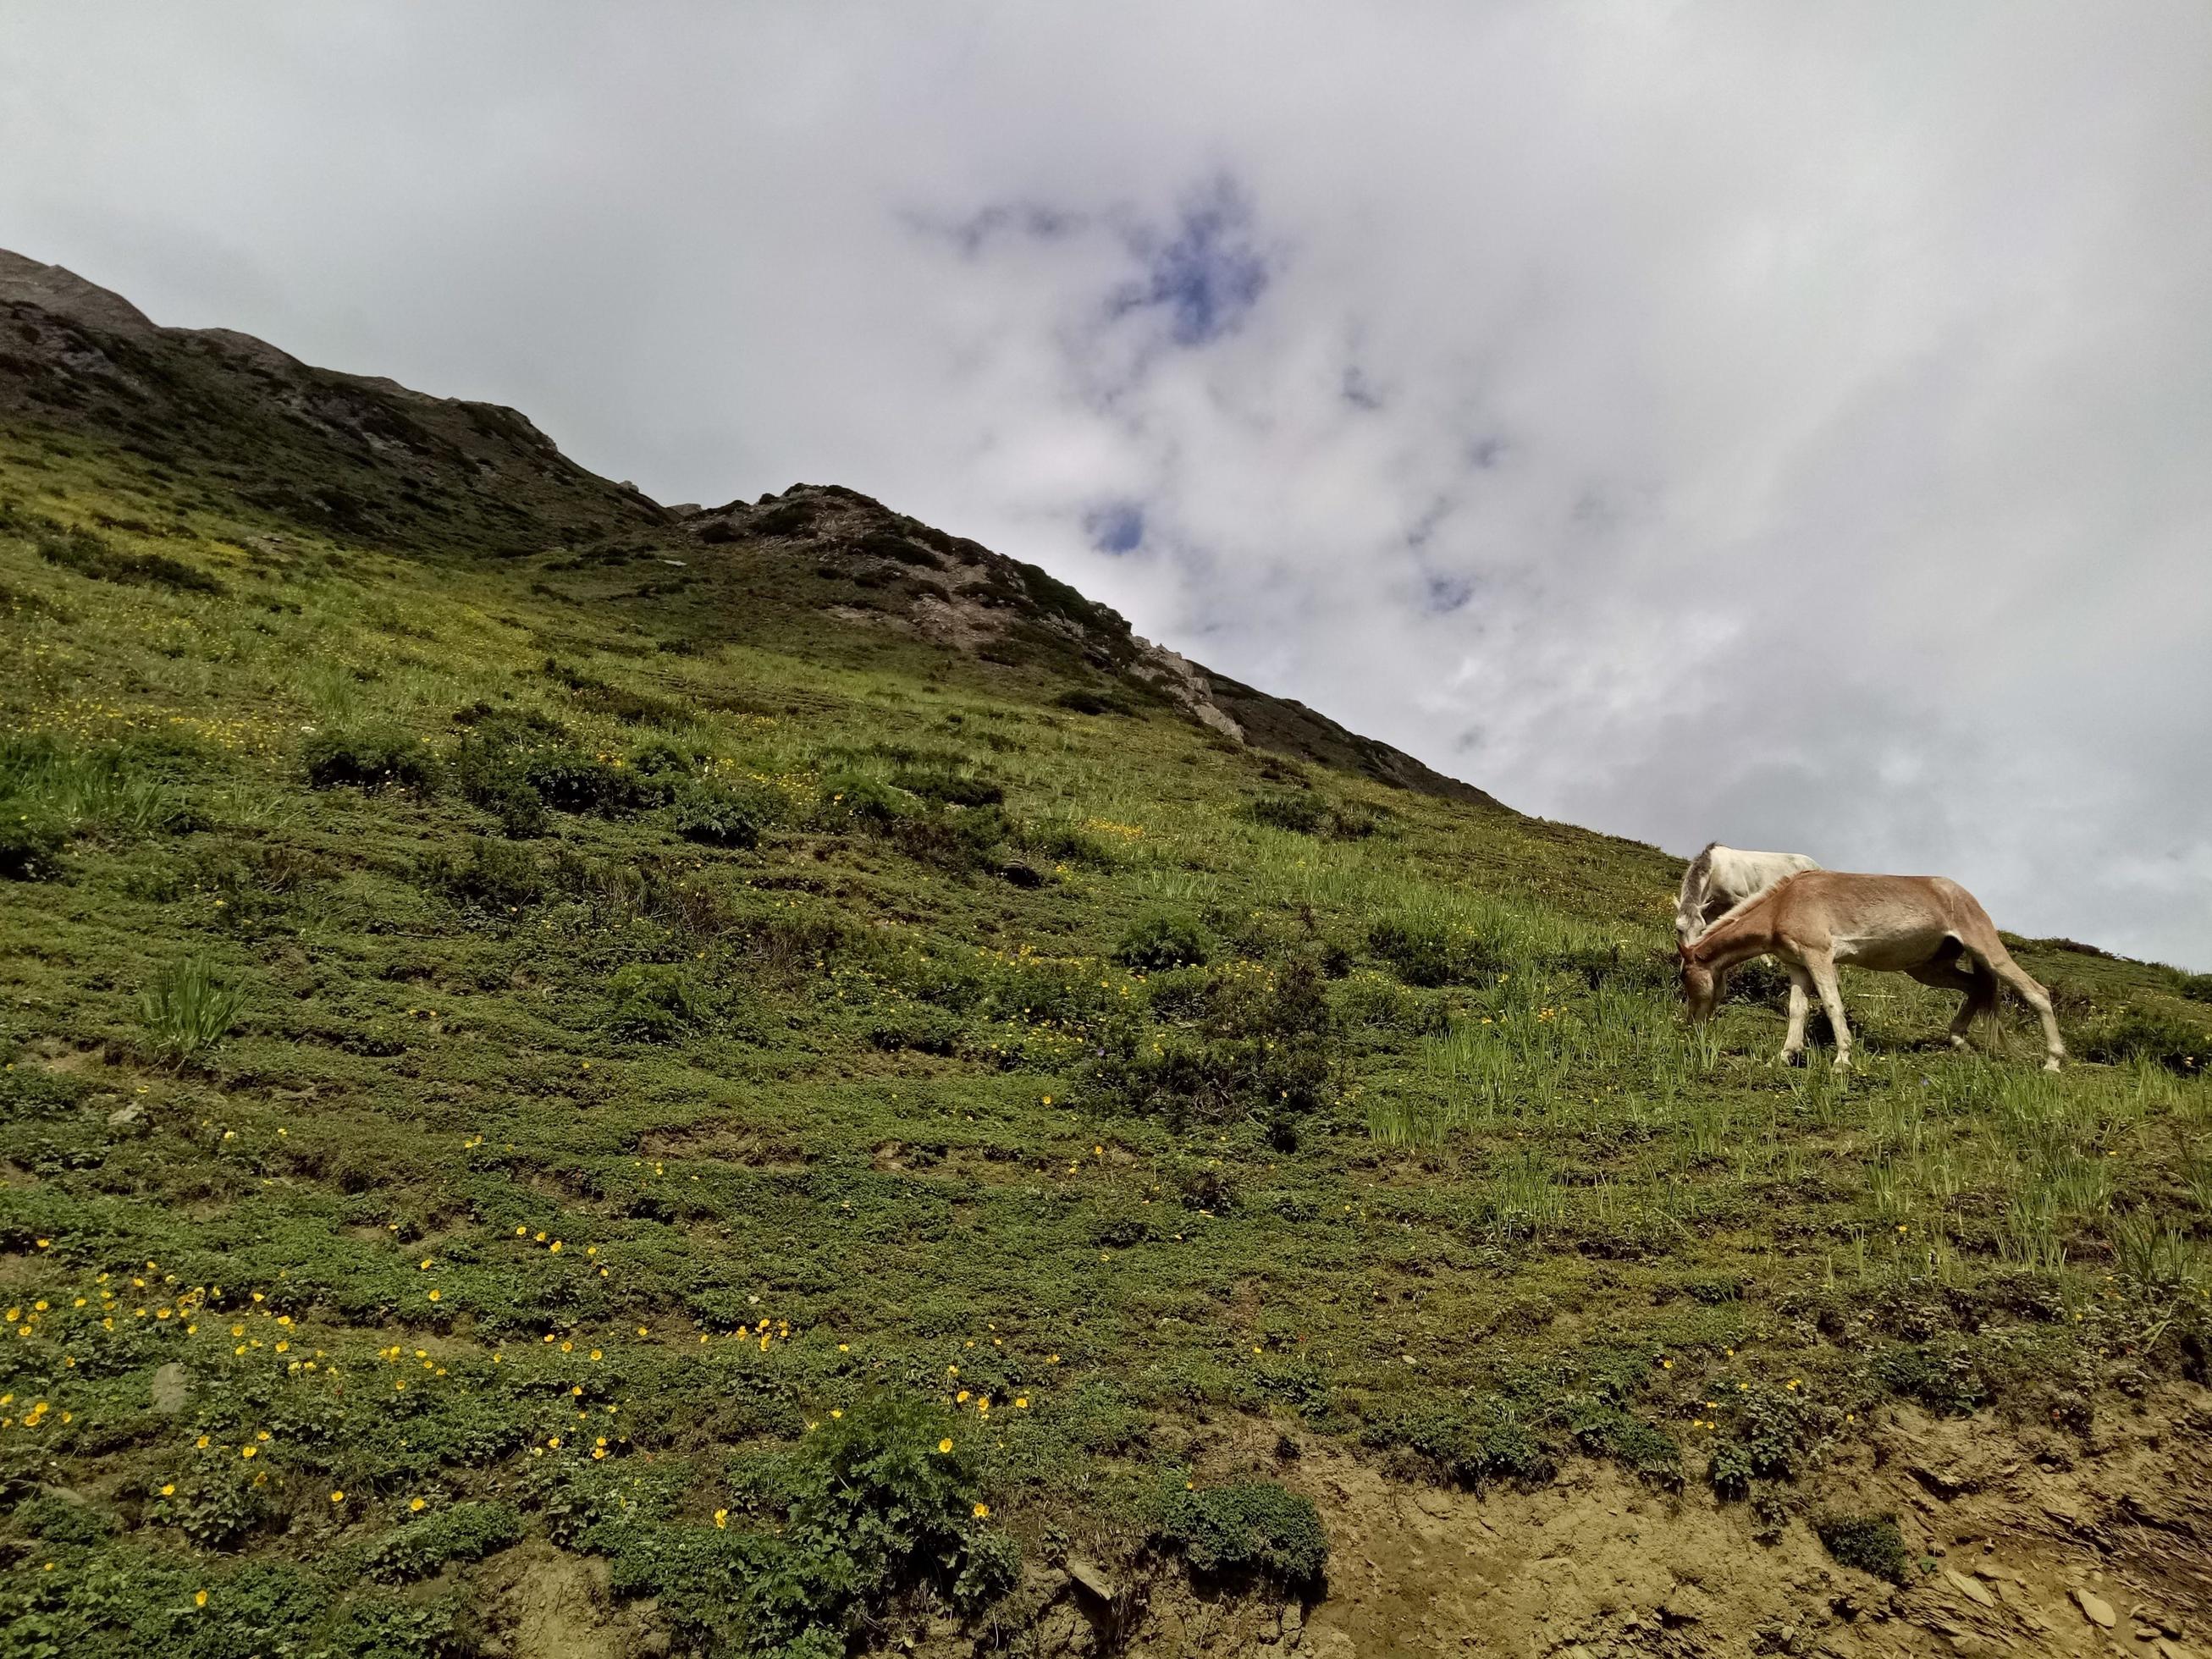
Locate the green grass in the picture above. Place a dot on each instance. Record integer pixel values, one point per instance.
(683, 1024)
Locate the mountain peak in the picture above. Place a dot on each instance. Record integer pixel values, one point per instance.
(60, 290)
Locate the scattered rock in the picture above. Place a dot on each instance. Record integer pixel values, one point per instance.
(1091, 1577)
(169, 1390)
(2095, 1608)
(1972, 1589)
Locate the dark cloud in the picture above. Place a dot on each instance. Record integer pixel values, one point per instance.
(1782, 424)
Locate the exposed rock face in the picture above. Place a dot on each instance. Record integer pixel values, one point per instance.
(961, 593)
(62, 291)
(1184, 682)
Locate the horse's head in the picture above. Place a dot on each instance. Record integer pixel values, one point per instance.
(1701, 986)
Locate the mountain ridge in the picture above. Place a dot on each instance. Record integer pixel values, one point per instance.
(398, 465)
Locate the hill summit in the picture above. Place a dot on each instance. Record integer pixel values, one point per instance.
(584, 1078)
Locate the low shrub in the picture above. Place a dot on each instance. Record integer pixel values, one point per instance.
(91, 555)
(1871, 1543)
(1311, 815)
(217, 1504)
(1161, 940)
(714, 816)
(377, 757)
(860, 800)
(495, 876)
(1649, 1452)
(882, 1501)
(30, 846)
(631, 708)
(1428, 954)
(59, 1519)
(2165, 1037)
(519, 766)
(948, 787)
(1305, 814)
(1474, 1446)
(1255, 1527)
(466, 1532)
(655, 1002)
(1764, 1435)
(1082, 700)
(1942, 1375)
(1376, 1004)
(1266, 1049)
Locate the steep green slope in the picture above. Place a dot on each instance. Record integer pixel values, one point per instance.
(789, 1052)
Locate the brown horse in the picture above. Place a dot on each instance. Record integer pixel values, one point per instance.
(1925, 926)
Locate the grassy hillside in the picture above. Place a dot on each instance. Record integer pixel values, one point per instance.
(673, 1042)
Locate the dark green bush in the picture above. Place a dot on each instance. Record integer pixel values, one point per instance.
(30, 845)
(1311, 815)
(466, 1532)
(1306, 814)
(655, 1002)
(518, 766)
(869, 1506)
(1161, 940)
(1765, 1435)
(63, 1520)
(631, 708)
(1871, 1543)
(1379, 1005)
(378, 757)
(1266, 1049)
(1605, 1431)
(716, 817)
(1084, 701)
(1474, 1446)
(217, 1505)
(1255, 1527)
(1428, 955)
(1942, 1375)
(91, 555)
(2165, 1035)
(496, 876)
(948, 787)
(859, 801)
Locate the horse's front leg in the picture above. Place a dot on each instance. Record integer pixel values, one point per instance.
(1823, 970)
(1801, 997)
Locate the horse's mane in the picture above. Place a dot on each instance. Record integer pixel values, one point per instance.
(1694, 878)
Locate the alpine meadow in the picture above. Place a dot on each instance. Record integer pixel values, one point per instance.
(587, 1079)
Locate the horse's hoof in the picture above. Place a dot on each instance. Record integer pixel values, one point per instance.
(1958, 1042)
(1790, 1057)
(1843, 1063)
(2050, 1065)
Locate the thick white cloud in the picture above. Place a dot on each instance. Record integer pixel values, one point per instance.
(1775, 423)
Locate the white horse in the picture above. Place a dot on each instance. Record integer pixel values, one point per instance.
(1721, 877)
(1924, 926)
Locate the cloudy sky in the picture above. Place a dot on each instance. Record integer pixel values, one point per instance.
(1790, 425)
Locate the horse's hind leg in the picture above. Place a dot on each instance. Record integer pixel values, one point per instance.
(1979, 984)
(1981, 999)
(1998, 961)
